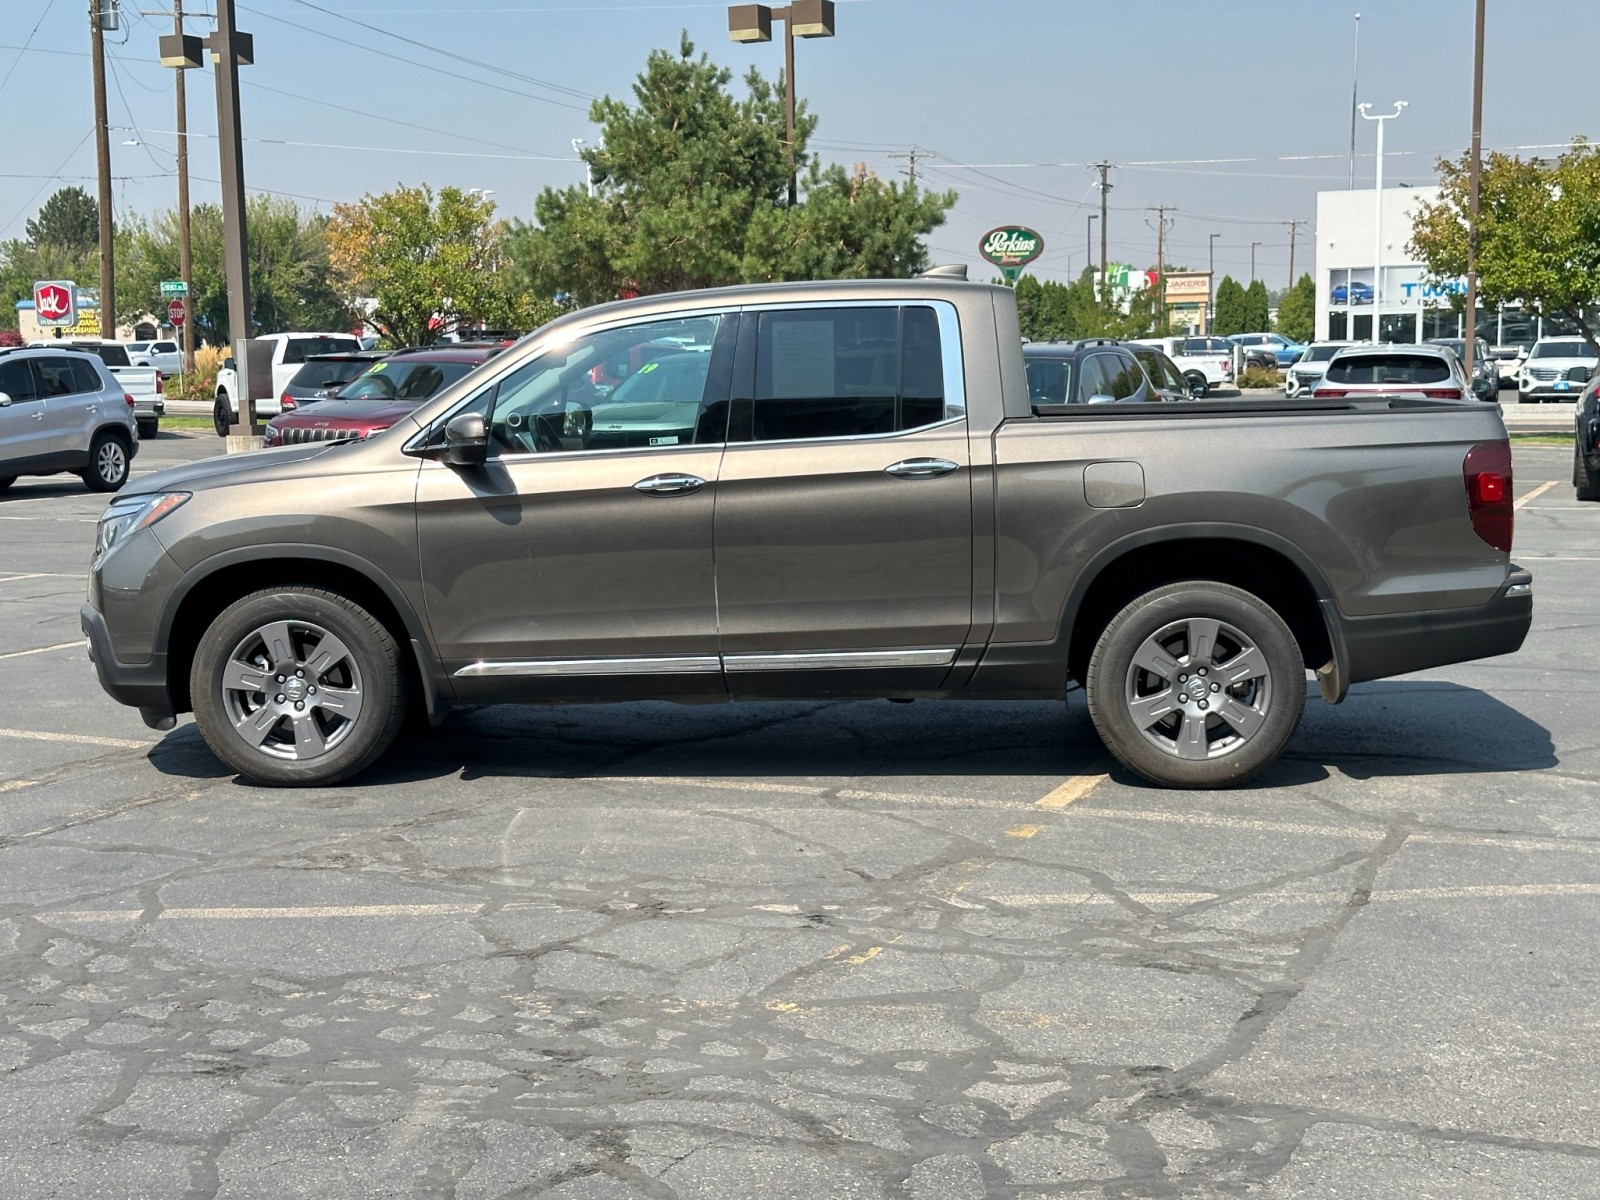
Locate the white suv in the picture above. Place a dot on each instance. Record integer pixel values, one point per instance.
(1556, 369)
(61, 410)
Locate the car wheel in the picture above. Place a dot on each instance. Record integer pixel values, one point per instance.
(222, 415)
(148, 430)
(1583, 479)
(295, 686)
(1199, 387)
(1196, 685)
(108, 462)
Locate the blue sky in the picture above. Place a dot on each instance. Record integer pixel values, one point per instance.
(1014, 87)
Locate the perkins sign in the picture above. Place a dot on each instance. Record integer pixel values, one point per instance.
(1011, 247)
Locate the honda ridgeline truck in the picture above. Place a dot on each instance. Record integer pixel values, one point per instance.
(834, 490)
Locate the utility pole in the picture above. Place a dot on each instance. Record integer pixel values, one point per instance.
(1161, 227)
(228, 46)
(911, 157)
(99, 12)
(1104, 167)
(1294, 234)
(1088, 239)
(1355, 79)
(1476, 186)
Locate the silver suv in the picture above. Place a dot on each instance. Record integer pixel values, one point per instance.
(61, 410)
(1556, 369)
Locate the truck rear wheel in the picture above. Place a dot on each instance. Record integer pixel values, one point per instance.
(294, 686)
(1196, 685)
(1583, 479)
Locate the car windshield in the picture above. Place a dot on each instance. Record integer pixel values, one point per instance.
(113, 354)
(137, 347)
(1561, 350)
(1049, 380)
(1387, 369)
(1320, 353)
(390, 380)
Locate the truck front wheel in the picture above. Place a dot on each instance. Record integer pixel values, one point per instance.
(295, 686)
(1583, 479)
(1196, 685)
(222, 415)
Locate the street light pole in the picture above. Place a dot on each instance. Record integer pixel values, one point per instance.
(228, 48)
(183, 53)
(1211, 280)
(588, 172)
(801, 18)
(1475, 183)
(1253, 246)
(1088, 238)
(1377, 210)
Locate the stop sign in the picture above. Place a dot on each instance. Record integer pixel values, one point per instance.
(176, 313)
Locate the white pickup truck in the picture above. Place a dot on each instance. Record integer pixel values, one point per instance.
(164, 356)
(142, 383)
(289, 351)
(1211, 361)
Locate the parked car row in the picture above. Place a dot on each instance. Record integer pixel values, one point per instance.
(62, 411)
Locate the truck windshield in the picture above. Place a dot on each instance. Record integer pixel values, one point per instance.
(297, 350)
(1389, 369)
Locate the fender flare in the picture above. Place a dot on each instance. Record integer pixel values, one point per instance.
(428, 667)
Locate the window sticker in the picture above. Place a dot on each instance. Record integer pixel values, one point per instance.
(802, 359)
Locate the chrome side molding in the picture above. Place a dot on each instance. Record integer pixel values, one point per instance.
(696, 664)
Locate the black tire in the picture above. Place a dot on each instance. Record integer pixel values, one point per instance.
(1223, 631)
(1199, 386)
(1584, 481)
(302, 741)
(6, 481)
(109, 456)
(222, 415)
(148, 430)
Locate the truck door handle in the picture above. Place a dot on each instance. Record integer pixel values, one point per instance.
(920, 468)
(669, 485)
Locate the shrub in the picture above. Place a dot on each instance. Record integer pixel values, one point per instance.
(1259, 377)
(201, 383)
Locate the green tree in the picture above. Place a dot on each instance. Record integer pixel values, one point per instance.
(428, 263)
(690, 191)
(291, 277)
(1231, 315)
(1538, 233)
(1297, 311)
(1257, 310)
(68, 221)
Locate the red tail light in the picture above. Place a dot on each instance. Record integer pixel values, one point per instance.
(1326, 393)
(160, 385)
(1487, 472)
(287, 401)
(127, 399)
(1442, 393)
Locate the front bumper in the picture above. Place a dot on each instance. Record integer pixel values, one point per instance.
(139, 685)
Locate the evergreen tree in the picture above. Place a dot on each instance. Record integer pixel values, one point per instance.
(1297, 313)
(1230, 316)
(1257, 310)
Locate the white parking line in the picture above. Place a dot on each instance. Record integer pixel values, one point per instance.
(43, 649)
(77, 739)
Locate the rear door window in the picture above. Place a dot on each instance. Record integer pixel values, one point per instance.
(848, 372)
(1391, 369)
(54, 375)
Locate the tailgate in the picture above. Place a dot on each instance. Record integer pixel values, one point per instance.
(136, 381)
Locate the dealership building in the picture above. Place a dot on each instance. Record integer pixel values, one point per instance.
(1362, 299)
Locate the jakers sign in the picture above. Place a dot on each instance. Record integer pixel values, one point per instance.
(1011, 247)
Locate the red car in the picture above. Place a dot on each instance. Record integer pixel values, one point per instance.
(382, 395)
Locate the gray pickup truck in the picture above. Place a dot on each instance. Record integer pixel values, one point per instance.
(808, 490)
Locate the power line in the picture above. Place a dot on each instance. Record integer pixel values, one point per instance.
(410, 62)
(264, 141)
(11, 70)
(27, 204)
(559, 88)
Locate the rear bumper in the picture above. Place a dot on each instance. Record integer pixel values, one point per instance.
(138, 685)
(1378, 647)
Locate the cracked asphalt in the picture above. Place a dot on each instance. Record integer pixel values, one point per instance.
(929, 951)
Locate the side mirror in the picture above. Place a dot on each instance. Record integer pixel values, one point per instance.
(5, 400)
(466, 441)
(1100, 398)
(229, 365)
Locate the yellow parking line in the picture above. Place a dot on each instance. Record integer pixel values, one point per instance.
(1071, 791)
(1537, 492)
(77, 739)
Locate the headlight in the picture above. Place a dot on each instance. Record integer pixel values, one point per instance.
(126, 517)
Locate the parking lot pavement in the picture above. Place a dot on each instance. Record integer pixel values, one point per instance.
(805, 950)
